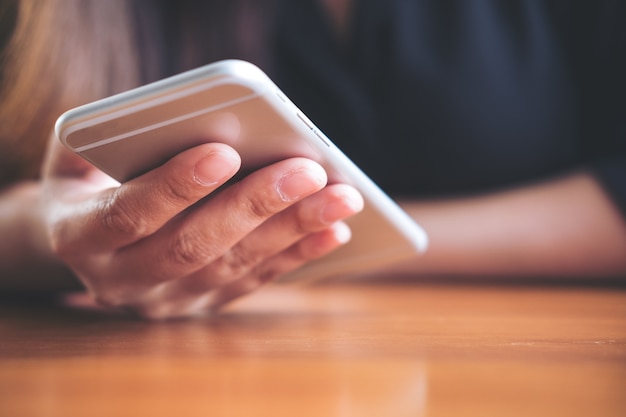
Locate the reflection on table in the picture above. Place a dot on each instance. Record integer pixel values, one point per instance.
(327, 350)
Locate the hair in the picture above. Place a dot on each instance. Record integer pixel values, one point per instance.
(63, 53)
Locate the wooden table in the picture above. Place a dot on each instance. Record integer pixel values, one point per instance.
(328, 350)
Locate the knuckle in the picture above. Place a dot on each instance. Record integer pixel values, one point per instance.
(269, 274)
(118, 217)
(303, 224)
(260, 208)
(191, 249)
(235, 263)
(177, 193)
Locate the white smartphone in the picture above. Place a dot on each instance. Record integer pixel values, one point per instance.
(236, 103)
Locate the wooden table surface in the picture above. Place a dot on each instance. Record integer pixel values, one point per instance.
(328, 350)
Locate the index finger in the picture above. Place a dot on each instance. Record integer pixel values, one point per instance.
(143, 205)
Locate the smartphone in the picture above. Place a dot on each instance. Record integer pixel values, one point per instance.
(236, 103)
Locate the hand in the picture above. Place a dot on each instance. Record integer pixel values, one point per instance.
(170, 244)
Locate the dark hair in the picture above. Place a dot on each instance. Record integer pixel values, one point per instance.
(63, 53)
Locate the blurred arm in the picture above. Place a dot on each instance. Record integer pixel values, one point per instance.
(567, 227)
(26, 261)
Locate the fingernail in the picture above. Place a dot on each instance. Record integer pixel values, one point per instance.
(214, 168)
(351, 203)
(297, 184)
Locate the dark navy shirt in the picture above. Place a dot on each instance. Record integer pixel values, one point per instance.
(437, 98)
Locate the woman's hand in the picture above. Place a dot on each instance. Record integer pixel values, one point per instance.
(170, 244)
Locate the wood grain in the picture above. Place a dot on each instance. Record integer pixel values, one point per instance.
(327, 350)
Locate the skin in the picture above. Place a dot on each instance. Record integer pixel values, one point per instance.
(562, 228)
(158, 246)
(167, 244)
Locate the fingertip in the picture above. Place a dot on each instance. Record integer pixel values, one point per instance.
(301, 181)
(346, 201)
(354, 199)
(216, 166)
(322, 243)
(341, 232)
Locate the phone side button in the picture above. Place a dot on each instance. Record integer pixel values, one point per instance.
(306, 120)
(322, 137)
(281, 96)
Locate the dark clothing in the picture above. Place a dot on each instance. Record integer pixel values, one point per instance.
(437, 97)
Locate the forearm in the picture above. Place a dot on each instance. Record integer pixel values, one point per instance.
(26, 262)
(563, 228)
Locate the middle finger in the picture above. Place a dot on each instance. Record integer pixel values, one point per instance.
(316, 213)
(191, 242)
